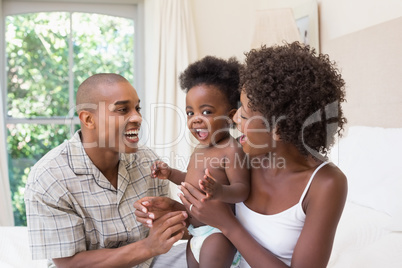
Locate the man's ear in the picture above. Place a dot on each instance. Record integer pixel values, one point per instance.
(87, 119)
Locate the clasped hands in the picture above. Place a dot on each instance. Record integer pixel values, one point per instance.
(150, 210)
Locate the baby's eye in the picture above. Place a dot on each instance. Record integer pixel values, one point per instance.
(206, 112)
(189, 113)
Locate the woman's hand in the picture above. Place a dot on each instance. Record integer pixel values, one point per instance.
(151, 208)
(211, 212)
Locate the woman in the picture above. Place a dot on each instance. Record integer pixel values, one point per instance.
(291, 111)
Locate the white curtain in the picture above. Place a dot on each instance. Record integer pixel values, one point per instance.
(170, 47)
(6, 211)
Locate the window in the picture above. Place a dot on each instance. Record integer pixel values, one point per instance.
(50, 49)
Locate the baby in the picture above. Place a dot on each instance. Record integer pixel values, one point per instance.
(218, 165)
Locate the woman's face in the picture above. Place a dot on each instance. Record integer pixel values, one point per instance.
(257, 137)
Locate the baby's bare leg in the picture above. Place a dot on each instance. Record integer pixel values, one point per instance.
(216, 252)
(191, 261)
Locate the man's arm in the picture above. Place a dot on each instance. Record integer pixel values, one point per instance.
(164, 233)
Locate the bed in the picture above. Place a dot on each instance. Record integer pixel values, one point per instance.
(369, 234)
(370, 230)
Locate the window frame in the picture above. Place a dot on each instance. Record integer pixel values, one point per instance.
(13, 7)
(28, 6)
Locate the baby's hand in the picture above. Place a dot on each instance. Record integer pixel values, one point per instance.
(210, 186)
(161, 170)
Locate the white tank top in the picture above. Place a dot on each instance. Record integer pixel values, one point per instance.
(279, 232)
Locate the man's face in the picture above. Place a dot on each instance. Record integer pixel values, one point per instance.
(118, 118)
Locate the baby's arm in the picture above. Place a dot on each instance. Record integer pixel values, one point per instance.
(238, 174)
(162, 171)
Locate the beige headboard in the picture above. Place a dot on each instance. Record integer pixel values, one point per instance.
(370, 61)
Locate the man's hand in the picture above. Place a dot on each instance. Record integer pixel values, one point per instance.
(160, 170)
(151, 208)
(166, 231)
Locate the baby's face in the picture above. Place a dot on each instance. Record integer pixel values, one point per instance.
(207, 110)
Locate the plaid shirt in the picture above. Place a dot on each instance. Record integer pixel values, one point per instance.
(71, 207)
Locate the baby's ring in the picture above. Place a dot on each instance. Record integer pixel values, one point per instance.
(191, 206)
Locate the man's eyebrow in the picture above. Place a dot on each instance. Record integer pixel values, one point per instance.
(122, 102)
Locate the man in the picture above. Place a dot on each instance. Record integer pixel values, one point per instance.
(79, 197)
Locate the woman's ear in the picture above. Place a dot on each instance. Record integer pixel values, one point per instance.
(87, 119)
(275, 135)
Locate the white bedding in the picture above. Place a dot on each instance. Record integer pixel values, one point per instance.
(366, 238)
(369, 234)
(14, 249)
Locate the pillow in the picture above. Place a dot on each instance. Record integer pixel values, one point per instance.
(371, 158)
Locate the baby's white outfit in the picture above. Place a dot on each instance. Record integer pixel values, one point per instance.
(199, 235)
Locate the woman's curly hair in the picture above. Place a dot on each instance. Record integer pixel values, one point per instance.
(224, 74)
(299, 91)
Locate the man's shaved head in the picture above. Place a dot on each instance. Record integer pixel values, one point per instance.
(87, 91)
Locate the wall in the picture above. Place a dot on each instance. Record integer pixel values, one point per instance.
(364, 38)
(341, 17)
(224, 29)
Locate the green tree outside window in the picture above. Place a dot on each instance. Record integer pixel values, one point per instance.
(48, 55)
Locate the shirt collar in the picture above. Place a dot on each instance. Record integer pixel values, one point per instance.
(81, 164)
(78, 159)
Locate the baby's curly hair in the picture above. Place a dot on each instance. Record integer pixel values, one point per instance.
(299, 91)
(224, 74)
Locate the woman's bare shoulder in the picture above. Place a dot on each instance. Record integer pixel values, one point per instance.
(329, 182)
